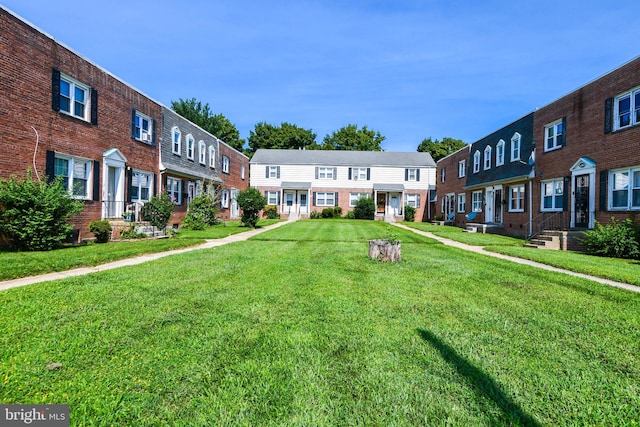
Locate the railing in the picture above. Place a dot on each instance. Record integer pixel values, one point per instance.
(547, 221)
(120, 209)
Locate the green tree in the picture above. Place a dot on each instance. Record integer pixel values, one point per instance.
(351, 138)
(251, 202)
(285, 136)
(216, 124)
(439, 149)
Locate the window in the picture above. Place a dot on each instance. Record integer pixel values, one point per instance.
(552, 195)
(359, 174)
(141, 184)
(176, 138)
(500, 153)
(242, 171)
(174, 190)
(462, 203)
(413, 200)
(202, 152)
(476, 162)
(624, 189)
(515, 147)
(212, 157)
(516, 198)
(487, 157)
(553, 136)
(224, 199)
(627, 109)
(443, 173)
(225, 164)
(325, 199)
(462, 168)
(412, 174)
(75, 173)
(74, 98)
(273, 171)
(142, 127)
(354, 197)
(476, 201)
(325, 173)
(272, 198)
(190, 147)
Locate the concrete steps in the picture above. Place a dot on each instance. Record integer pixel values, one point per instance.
(549, 239)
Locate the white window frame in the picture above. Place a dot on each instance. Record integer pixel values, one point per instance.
(72, 99)
(476, 201)
(516, 198)
(176, 141)
(328, 198)
(516, 141)
(325, 172)
(550, 190)
(556, 131)
(71, 178)
(272, 198)
(224, 199)
(487, 157)
(138, 178)
(212, 157)
(143, 131)
(243, 171)
(191, 147)
(412, 174)
(354, 197)
(476, 161)
(443, 174)
(202, 152)
(357, 174)
(413, 200)
(500, 153)
(225, 164)
(630, 185)
(462, 168)
(462, 203)
(634, 109)
(174, 190)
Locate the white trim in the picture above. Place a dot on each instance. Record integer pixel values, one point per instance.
(515, 154)
(584, 166)
(500, 148)
(176, 145)
(555, 138)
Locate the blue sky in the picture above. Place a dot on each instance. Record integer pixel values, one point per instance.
(408, 69)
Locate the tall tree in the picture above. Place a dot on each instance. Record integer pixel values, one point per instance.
(216, 124)
(351, 138)
(439, 149)
(285, 136)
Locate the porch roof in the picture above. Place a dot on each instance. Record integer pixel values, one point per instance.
(388, 187)
(286, 185)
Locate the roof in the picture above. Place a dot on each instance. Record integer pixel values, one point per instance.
(342, 158)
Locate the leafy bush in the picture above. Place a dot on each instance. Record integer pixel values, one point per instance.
(202, 213)
(350, 215)
(337, 212)
(251, 202)
(34, 215)
(327, 213)
(131, 233)
(315, 215)
(616, 239)
(270, 212)
(409, 213)
(365, 208)
(158, 210)
(101, 228)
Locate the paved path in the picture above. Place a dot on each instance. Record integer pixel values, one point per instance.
(134, 261)
(481, 250)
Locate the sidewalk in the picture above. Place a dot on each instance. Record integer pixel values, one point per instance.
(24, 281)
(481, 250)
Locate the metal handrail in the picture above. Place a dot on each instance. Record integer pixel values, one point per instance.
(547, 221)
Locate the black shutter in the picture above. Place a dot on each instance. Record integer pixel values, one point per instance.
(524, 197)
(368, 174)
(316, 172)
(335, 173)
(278, 173)
(94, 106)
(563, 138)
(129, 184)
(603, 190)
(336, 198)
(406, 174)
(96, 180)
(350, 174)
(278, 199)
(50, 165)
(266, 168)
(314, 198)
(153, 132)
(417, 200)
(417, 174)
(133, 123)
(55, 89)
(608, 115)
(155, 186)
(565, 194)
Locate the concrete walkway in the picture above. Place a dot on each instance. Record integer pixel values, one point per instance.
(24, 281)
(481, 250)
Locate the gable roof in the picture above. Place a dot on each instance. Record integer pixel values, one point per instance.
(342, 158)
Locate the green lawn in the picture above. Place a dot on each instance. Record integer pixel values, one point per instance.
(298, 327)
(473, 239)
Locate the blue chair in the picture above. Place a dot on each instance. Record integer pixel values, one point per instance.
(451, 216)
(471, 216)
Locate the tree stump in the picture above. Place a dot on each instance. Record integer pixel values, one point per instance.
(385, 251)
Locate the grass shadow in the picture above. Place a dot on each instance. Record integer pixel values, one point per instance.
(482, 384)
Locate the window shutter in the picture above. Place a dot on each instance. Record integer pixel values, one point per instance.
(350, 174)
(133, 123)
(563, 139)
(418, 174)
(266, 175)
(316, 172)
(96, 180)
(406, 174)
(153, 187)
(55, 89)
(565, 194)
(525, 193)
(368, 174)
(603, 190)
(153, 132)
(314, 198)
(129, 184)
(94, 106)
(336, 198)
(278, 198)
(266, 195)
(608, 115)
(278, 172)
(50, 165)
(417, 200)
(335, 174)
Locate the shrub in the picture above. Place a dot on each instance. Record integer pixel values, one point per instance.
(616, 239)
(409, 213)
(365, 208)
(270, 212)
(158, 210)
(131, 233)
(315, 215)
(337, 212)
(251, 202)
(350, 215)
(34, 215)
(101, 228)
(202, 213)
(327, 213)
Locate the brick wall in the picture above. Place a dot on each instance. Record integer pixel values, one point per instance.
(234, 179)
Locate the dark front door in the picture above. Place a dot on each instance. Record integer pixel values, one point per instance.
(582, 201)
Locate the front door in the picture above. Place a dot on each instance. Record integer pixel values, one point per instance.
(395, 205)
(302, 202)
(381, 203)
(112, 188)
(289, 205)
(235, 209)
(582, 201)
(497, 206)
(490, 205)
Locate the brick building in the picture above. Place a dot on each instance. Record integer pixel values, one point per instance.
(234, 171)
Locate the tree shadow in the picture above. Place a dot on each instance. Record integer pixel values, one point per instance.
(482, 384)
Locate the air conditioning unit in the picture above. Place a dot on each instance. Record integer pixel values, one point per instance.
(146, 137)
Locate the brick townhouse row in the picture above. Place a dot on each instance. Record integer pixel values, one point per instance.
(564, 166)
(62, 115)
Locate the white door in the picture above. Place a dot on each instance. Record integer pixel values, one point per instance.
(235, 209)
(112, 188)
(489, 205)
(395, 205)
(289, 202)
(302, 202)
